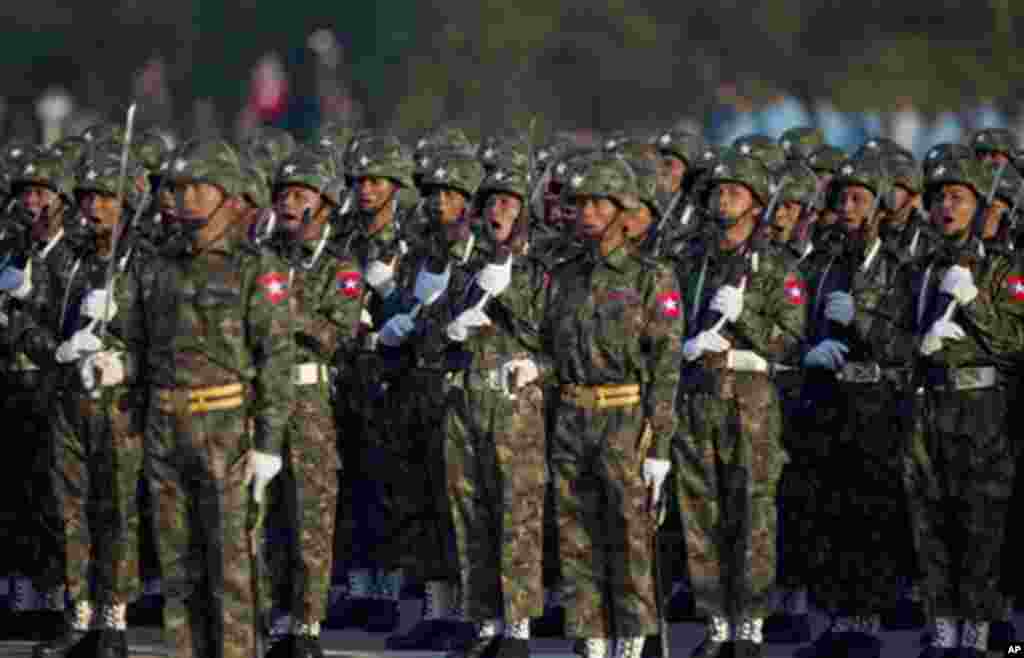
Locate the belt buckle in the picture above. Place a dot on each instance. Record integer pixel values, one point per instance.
(861, 373)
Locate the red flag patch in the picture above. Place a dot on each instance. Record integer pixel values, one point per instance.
(350, 284)
(670, 304)
(275, 286)
(796, 292)
(1015, 286)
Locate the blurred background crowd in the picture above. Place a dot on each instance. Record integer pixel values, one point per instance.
(918, 71)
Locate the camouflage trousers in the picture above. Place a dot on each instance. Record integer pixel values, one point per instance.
(496, 463)
(960, 474)
(801, 485)
(605, 526)
(728, 459)
(305, 495)
(195, 465)
(862, 507)
(97, 462)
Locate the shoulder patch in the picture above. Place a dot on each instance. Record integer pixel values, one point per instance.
(670, 304)
(1015, 288)
(349, 283)
(275, 286)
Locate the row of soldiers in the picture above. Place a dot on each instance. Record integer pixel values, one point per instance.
(522, 361)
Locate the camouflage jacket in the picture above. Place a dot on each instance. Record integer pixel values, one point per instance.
(217, 317)
(993, 322)
(774, 315)
(618, 320)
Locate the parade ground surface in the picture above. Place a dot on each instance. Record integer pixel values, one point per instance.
(355, 644)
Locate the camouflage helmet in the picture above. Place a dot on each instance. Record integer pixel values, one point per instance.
(827, 158)
(511, 152)
(869, 172)
(605, 176)
(103, 132)
(334, 136)
(683, 145)
(151, 149)
(446, 138)
(881, 146)
(905, 174)
(255, 185)
(736, 167)
(613, 140)
(456, 170)
(800, 142)
(994, 140)
(709, 156)
(798, 182)
(645, 168)
(47, 171)
(380, 157)
(17, 152)
(550, 152)
(1010, 183)
(507, 181)
(102, 172)
(942, 152)
(965, 171)
(208, 161)
(70, 150)
(762, 147)
(269, 148)
(313, 168)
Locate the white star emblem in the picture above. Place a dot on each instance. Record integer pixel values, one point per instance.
(577, 181)
(364, 161)
(180, 165)
(542, 155)
(289, 169)
(872, 144)
(421, 144)
(1018, 288)
(441, 173)
(15, 153)
(350, 284)
(847, 170)
(91, 175)
(488, 154)
(669, 305)
(610, 144)
(941, 169)
(30, 169)
(786, 144)
(499, 175)
(164, 166)
(709, 155)
(560, 169)
(326, 141)
(719, 170)
(87, 136)
(58, 152)
(666, 139)
(275, 287)
(745, 149)
(813, 159)
(424, 162)
(934, 153)
(980, 137)
(793, 292)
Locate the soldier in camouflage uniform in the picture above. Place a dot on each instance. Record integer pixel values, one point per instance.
(997, 145)
(33, 246)
(417, 477)
(325, 304)
(801, 142)
(961, 464)
(612, 326)
(728, 453)
(761, 147)
(494, 426)
(858, 410)
(98, 450)
(209, 335)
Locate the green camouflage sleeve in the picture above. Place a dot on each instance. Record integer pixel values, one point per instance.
(997, 313)
(268, 327)
(774, 317)
(336, 301)
(662, 342)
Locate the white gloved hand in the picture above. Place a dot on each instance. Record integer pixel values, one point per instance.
(705, 341)
(395, 330)
(430, 286)
(729, 302)
(828, 354)
(520, 372)
(654, 473)
(941, 331)
(108, 365)
(746, 361)
(260, 469)
(959, 283)
(472, 318)
(840, 308)
(81, 343)
(17, 282)
(381, 277)
(495, 279)
(95, 303)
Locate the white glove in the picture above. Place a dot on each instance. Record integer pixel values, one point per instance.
(395, 330)
(495, 279)
(473, 318)
(95, 303)
(654, 472)
(17, 282)
(746, 361)
(520, 371)
(430, 286)
(260, 469)
(81, 343)
(381, 277)
(705, 341)
(840, 308)
(828, 354)
(942, 330)
(729, 302)
(959, 283)
(109, 366)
